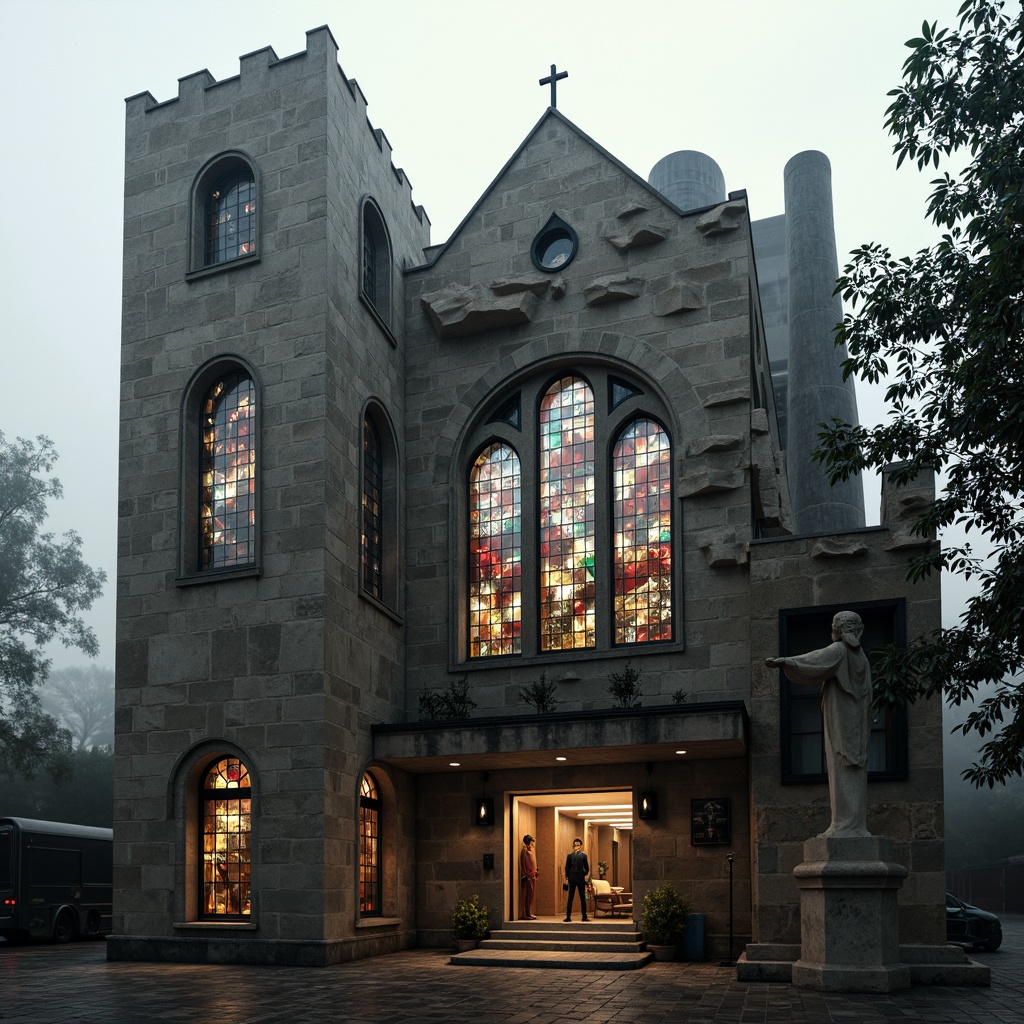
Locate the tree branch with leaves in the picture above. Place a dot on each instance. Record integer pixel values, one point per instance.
(944, 329)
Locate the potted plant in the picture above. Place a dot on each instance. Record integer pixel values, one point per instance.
(602, 868)
(469, 923)
(664, 920)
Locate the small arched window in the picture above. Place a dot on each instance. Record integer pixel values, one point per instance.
(375, 279)
(370, 887)
(373, 486)
(231, 217)
(225, 809)
(495, 552)
(227, 474)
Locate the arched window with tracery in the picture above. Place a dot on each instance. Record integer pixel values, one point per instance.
(227, 493)
(642, 533)
(568, 568)
(225, 801)
(495, 552)
(370, 887)
(231, 217)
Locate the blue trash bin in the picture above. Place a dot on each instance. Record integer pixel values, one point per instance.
(693, 942)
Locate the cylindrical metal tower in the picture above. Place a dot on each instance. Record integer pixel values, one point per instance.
(817, 391)
(689, 179)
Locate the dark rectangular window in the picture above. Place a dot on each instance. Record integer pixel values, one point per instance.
(6, 857)
(801, 726)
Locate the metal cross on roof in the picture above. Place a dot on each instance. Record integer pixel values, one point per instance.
(551, 80)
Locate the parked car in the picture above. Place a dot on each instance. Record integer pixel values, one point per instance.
(971, 926)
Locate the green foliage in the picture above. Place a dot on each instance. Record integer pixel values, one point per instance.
(82, 700)
(469, 919)
(44, 584)
(664, 916)
(679, 696)
(540, 695)
(451, 703)
(945, 329)
(86, 797)
(625, 686)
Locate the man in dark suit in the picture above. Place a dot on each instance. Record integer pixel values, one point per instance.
(577, 874)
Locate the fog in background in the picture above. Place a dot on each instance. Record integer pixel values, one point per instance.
(453, 84)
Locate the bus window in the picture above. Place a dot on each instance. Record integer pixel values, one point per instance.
(6, 855)
(55, 867)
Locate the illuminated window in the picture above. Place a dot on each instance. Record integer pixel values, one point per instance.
(642, 541)
(231, 217)
(227, 471)
(595, 441)
(226, 865)
(495, 552)
(372, 492)
(567, 521)
(369, 848)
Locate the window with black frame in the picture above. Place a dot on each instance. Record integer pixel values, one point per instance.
(801, 724)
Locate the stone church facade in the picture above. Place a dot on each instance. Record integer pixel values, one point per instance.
(360, 475)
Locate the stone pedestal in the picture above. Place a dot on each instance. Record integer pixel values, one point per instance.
(849, 921)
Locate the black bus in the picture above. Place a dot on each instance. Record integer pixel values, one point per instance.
(56, 880)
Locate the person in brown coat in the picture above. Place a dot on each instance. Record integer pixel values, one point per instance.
(527, 878)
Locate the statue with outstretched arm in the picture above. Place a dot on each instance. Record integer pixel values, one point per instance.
(844, 673)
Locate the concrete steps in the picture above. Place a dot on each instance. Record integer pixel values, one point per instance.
(594, 946)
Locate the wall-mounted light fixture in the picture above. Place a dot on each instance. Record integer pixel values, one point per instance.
(647, 809)
(483, 806)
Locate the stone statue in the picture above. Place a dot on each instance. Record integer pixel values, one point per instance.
(845, 673)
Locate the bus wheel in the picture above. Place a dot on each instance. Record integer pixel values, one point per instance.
(64, 927)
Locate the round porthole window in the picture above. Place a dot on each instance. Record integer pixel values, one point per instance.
(555, 245)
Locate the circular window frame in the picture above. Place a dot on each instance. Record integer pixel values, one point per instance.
(555, 230)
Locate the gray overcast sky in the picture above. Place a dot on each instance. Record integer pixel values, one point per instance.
(454, 86)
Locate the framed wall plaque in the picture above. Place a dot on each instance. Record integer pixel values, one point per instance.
(710, 821)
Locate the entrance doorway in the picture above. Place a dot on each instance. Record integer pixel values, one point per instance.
(603, 819)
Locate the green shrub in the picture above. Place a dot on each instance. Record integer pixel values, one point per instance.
(469, 919)
(664, 917)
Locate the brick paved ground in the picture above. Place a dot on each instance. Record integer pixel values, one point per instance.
(47, 984)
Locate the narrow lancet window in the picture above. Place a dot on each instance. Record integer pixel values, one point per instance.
(373, 485)
(495, 553)
(567, 519)
(369, 847)
(226, 834)
(231, 217)
(642, 514)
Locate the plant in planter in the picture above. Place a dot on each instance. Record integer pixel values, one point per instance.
(664, 920)
(469, 922)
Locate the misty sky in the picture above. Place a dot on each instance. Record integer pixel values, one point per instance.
(454, 86)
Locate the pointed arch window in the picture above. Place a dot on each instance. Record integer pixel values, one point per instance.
(369, 848)
(227, 498)
(226, 828)
(642, 533)
(495, 552)
(567, 516)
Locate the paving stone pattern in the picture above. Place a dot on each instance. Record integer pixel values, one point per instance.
(43, 984)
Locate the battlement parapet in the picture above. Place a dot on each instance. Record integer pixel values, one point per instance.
(200, 93)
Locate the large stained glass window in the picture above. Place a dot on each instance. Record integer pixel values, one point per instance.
(226, 868)
(642, 543)
(227, 501)
(369, 847)
(373, 485)
(567, 521)
(231, 218)
(495, 553)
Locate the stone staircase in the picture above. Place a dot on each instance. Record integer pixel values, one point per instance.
(606, 945)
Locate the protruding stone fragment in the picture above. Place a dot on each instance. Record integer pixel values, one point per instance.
(680, 295)
(714, 443)
(612, 288)
(722, 219)
(635, 235)
(838, 547)
(723, 548)
(726, 398)
(456, 312)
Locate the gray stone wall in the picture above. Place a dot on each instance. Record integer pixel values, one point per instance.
(799, 572)
(653, 294)
(276, 667)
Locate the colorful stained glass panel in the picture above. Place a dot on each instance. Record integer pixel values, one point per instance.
(227, 851)
(642, 513)
(495, 553)
(567, 520)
